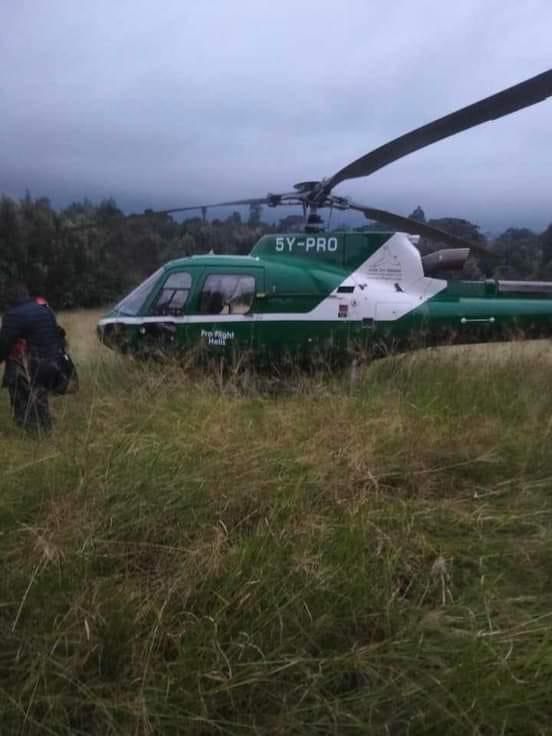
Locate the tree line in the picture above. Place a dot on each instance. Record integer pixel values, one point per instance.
(73, 265)
(57, 255)
(518, 253)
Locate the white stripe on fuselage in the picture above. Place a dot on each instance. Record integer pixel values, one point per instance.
(388, 285)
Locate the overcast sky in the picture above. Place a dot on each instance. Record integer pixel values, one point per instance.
(179, 101)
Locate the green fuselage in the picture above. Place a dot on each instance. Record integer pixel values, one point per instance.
(299, 294)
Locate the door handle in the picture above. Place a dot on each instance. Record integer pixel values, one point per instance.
(464, 320)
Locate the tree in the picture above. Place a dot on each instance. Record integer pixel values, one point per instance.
(519, 254)
(546, 246)
(234, 219)
(418, 215)
(255, 212)
(291, 223)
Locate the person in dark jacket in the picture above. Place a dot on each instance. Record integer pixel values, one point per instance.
(31, 344)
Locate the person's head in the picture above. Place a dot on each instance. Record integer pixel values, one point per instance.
(16, 292)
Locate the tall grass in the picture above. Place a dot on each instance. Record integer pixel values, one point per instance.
(366, 552)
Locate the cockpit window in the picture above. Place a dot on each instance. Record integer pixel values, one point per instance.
(227, 294)
(132, 303)
(173, 295)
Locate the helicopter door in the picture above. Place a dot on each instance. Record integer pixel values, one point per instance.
(225, 308)
(163, 328)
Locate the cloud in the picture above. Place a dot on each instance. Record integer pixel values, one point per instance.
(181, 102)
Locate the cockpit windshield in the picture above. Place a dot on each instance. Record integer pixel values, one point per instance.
(133, 302)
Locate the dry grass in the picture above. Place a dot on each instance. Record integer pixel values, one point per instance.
(81, 330)
(186, 556)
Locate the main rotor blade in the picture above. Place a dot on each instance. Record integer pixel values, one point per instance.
(236, 202)
(407, 225)
(152, 213)
(496, 106)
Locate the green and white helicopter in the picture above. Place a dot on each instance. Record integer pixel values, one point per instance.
(319, 292)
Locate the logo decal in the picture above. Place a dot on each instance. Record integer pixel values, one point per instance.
(217, 337)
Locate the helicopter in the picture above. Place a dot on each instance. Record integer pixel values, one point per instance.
(333, 292)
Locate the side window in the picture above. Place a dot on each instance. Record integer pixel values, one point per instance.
(173, 295)
(227, 294)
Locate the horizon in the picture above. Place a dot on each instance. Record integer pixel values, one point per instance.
(273, 215)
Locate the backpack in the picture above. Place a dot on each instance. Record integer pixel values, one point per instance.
(67, 379)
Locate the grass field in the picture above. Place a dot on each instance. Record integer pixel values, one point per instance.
(366, 553)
